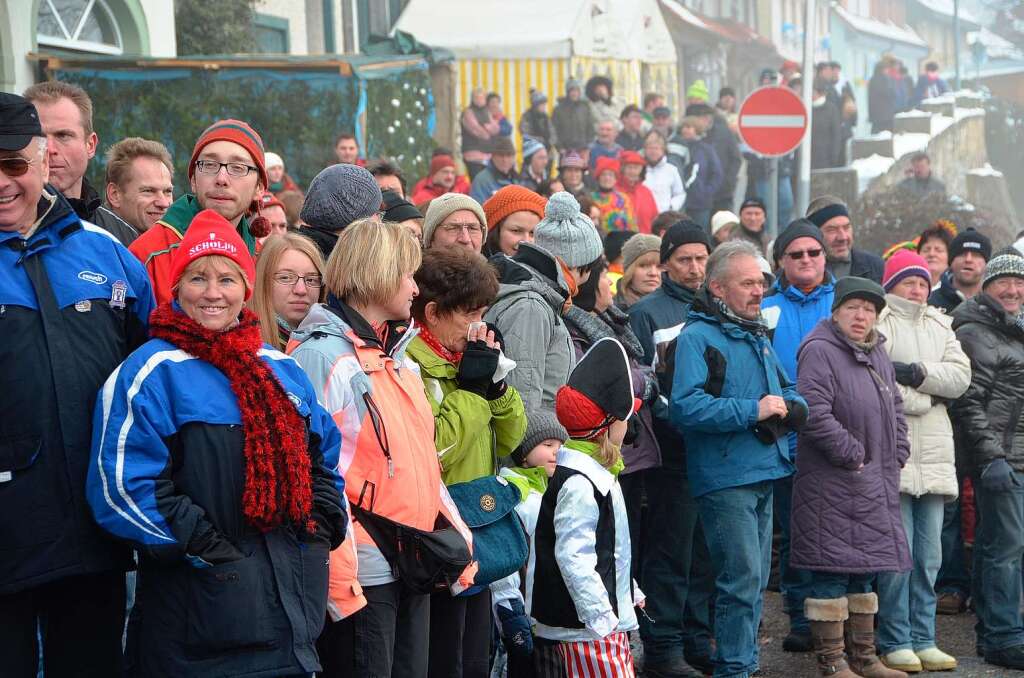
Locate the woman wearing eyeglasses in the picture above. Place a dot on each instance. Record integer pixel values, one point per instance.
(289, 280)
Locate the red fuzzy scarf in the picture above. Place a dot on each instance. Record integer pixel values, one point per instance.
(278, 474)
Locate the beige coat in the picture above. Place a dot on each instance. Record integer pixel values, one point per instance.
(918, 333)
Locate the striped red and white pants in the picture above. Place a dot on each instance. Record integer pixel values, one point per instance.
(609, 657)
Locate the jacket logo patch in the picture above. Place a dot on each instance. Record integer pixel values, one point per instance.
(83, 306)
(487, 503)
(118, 292)
(89, 276)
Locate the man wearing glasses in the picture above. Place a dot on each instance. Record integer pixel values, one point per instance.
(73, 305)
(454, 220)
(226, 174)
(801, 296)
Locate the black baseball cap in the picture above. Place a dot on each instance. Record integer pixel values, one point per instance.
(19, 122)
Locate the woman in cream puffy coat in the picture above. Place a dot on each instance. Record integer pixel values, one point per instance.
(931, 370)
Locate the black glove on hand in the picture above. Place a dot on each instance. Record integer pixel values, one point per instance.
(770, 430)
(909, 374)
(476, 369)
(211, 548)
(796, 416)
(516, 632)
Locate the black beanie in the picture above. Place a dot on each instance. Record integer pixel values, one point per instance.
(683, 232)
(970, 240)
(800, 228)
(613, 243)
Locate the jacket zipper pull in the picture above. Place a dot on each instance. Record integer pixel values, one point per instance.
(391, 468)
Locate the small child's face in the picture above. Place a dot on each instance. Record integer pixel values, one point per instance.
(545, 455)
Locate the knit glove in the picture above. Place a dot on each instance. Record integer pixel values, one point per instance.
(997, 476)
(476, 369)
(909, 374)
(516, 631)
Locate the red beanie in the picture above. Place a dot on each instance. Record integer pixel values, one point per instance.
(904, 264)
(211, 234)
(509, 199)
(237, 132)
(440, 162)
(605, 164)
(581, 416)
(631, 158)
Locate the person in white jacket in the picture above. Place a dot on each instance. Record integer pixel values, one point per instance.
(662, 177)
(931, 370)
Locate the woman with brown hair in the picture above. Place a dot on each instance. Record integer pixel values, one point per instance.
(289, 280)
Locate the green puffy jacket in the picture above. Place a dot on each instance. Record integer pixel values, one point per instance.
(471, 433)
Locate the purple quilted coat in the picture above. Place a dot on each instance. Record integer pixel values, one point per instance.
(847, 520)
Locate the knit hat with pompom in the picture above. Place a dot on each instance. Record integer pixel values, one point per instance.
(567, 233)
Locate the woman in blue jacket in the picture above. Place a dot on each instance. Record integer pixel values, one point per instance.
(213, 459)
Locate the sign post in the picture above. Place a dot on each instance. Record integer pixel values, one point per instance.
(773, 121)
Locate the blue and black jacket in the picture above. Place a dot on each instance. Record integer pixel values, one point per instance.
(167, 475)
(73, 303)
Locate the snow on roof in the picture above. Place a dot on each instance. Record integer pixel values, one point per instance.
(914, 114)
(996, 46)
(881, 29)
(986, 171)
(945, 7)
(871, 168)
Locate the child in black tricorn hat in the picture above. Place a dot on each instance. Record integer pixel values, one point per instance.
(583, 596)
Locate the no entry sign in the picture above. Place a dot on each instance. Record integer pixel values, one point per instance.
(773, 121)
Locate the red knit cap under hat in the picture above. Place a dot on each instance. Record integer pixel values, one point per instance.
(511, 199)
(599, 392)
(211, 234)
(237, 132)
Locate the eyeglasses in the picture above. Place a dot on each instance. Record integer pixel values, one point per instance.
(234, 169)
(14, 166)
(471, 229)
(799, 254)
(285, 278)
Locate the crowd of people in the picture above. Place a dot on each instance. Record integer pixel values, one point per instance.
(510, 419)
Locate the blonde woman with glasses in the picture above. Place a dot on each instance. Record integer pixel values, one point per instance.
(289, 280)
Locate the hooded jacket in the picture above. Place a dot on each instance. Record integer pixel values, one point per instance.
(167, 472)
(722, 371)
(528, 313)
(987, 417)
(846, 500)
(471, 433)
(918, 333)
(73, 304)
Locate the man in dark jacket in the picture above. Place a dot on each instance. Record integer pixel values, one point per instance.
(826, 128)
(883, 98)
(831, 215)
(73, 304)
(921, 182)
(968, 254)
(718, 135)
(573, 119)
(631, 137)
(989, 423)
(675, 570)
(65, 112)
(703, 174)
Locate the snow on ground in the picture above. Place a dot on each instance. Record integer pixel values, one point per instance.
(870, 168)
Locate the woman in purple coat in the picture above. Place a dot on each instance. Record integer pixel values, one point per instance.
(846, 521)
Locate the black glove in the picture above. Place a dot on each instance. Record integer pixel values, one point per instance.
(516, 632)
(770, 430)
(476, 369)
(997, 476)
(796, 415)
(909, 374)
(211, 548)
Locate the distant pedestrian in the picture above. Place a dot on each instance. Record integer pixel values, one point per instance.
(535, 122)
(572, 119)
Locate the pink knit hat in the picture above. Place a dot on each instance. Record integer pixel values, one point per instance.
(904, 264)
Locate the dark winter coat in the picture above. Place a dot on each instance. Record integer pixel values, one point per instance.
(947, 297)
(846, 493)
(882, 101)
(864, 264)
(537, 124)
(987, 418)
(90, 208)
(826, 136)
(574, 123)
(703, 175)
(727, 148)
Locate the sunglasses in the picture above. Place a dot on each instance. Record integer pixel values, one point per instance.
(799, 254)
(14, 166)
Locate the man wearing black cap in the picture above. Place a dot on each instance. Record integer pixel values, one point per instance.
(675, 568)
(753, 214)
(500, 171)
(73, 304)
(968, 255)
(832, 216)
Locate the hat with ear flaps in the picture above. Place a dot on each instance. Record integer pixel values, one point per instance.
(599, 392)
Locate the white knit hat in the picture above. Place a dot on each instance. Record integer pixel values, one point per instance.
(722, 219)
(567, 233)
(272, 160)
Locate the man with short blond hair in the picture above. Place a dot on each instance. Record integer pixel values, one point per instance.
(65, 112)
(139, 181)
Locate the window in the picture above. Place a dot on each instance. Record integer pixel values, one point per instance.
(86, 25)
(271, 33)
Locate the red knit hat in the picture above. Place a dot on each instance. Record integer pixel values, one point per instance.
(904, 264)
(440, 162)
(211, 234)
(511, 199)
(237, 132)
(630, 158)
(605, 164)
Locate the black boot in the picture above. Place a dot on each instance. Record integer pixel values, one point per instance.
(796, 641)
(673, 668)
(1007, 657)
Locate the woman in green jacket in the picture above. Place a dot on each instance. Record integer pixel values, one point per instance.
(478, 419)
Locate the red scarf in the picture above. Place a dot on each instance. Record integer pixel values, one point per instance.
(278, 474)
(437, 347)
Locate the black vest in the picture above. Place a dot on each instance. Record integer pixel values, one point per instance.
(552, 604)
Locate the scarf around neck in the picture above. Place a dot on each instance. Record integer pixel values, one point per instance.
(278, 473)
(438, 348)
(755, 327)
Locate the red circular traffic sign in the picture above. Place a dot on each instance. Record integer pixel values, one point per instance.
(773, 121)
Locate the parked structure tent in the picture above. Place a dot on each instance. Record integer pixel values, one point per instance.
(510, 47)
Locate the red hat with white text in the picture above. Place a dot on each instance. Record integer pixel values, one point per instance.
(211, 234)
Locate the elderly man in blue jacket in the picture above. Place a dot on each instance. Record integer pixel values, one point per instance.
(733, 402)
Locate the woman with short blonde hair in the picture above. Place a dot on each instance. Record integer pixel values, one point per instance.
(364, 270)
(289, 280)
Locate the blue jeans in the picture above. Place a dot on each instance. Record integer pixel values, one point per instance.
(785, 203)
(953, 575)
(794, 582)
(738, 526)
(832, 585)
(673, 572)
(906, 600)
(999, 545)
